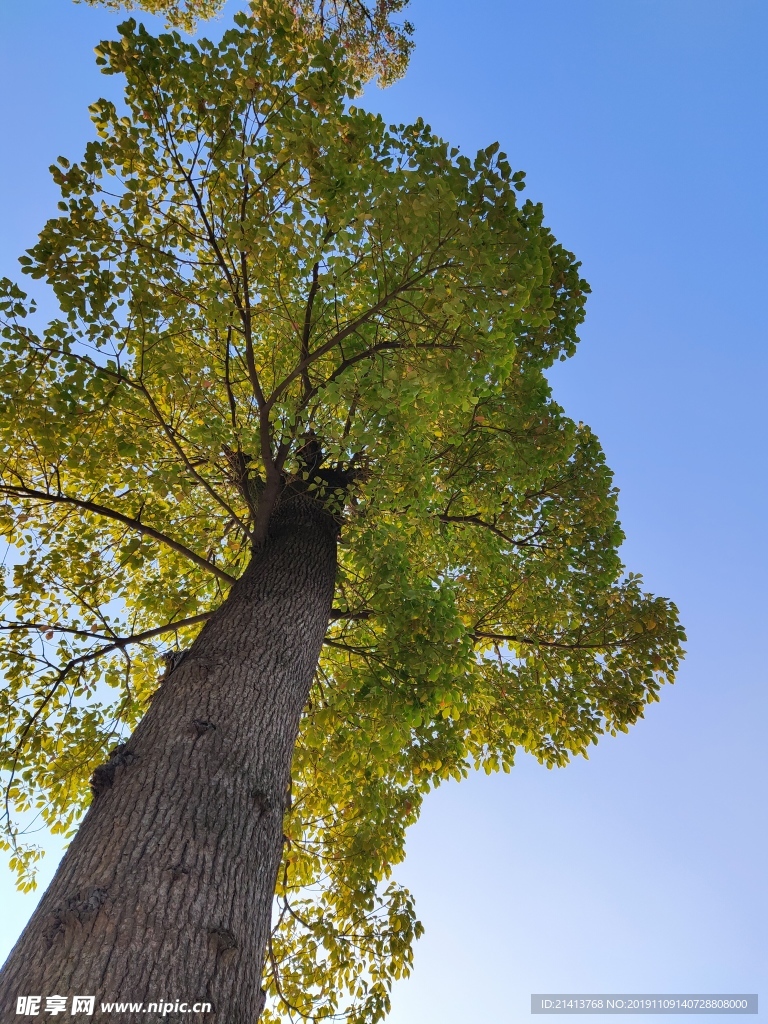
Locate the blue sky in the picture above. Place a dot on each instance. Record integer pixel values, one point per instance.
(642, 126)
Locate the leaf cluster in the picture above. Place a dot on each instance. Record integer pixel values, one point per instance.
(378, 46)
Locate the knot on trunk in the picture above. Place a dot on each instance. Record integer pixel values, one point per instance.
(202, 726)
(262, 801)
(172, 661)
(222, 940)
(77, 910)
(103, 777)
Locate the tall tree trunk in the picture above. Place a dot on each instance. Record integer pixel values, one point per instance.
(166, 891)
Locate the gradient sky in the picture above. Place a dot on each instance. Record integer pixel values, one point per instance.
(642, 126)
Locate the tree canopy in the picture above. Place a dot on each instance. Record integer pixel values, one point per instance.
(259, 282)
(376, 45)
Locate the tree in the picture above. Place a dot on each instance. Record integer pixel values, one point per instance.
(298, 377)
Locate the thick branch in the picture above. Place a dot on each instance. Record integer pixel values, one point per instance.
(228, 381)
(273, 483)
(307, 329)
(350, 616)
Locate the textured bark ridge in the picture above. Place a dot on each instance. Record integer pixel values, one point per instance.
(166, 891)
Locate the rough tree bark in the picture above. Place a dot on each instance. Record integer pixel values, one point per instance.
(166, 891)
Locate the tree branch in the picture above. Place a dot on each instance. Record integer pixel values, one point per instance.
(538, 642)
(475, 520)
(118, 644)
(228, 380)
(304, 355)
(168, 431)
(250, 359)
(338, 613)
(350, 328)
(108, 513)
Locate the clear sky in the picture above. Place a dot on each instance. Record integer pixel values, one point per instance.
(642, 126)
